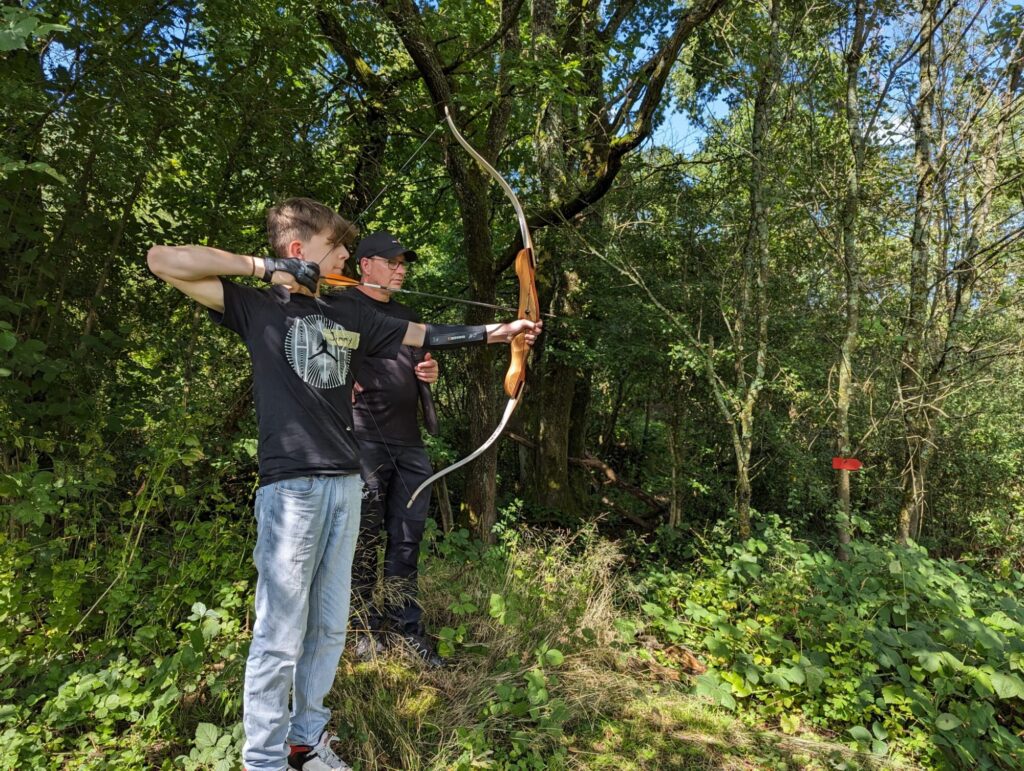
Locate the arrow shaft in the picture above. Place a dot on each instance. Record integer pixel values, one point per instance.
(442, 297)
(332, 280)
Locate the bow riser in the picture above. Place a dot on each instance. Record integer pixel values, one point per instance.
(529, 308)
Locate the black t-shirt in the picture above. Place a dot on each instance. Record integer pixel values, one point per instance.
(304, 351)
(386, 409)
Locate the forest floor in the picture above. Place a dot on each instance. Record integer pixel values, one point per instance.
(659, 727)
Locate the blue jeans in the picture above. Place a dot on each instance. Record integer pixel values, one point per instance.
(306, 536)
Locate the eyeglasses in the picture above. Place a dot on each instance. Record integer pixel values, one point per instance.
(394, 263)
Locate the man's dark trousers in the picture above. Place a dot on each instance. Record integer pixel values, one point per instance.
(390, 473)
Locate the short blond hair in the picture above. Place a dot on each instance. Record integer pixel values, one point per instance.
(299, 219)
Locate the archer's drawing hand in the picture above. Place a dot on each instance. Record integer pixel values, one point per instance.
(281, 270)
(427, 370)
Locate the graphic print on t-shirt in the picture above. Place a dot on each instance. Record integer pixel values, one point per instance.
(312, 349)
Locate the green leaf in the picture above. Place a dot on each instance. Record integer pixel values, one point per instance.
(789, 723)
(1007, 686)
(795, 675)
(930, 661)
(206, 735)
(739, 685)
(210, 628)
(815, 677)
(534, 678)
(893, 694)
(626, 630)
(553, 657)
(777, 678)
(947, 722)
(496, 607)
(673, 627)
(711, 686)
(861, 734)
(45, 168)
(652, 610)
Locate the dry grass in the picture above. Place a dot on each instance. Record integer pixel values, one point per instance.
(558, 593)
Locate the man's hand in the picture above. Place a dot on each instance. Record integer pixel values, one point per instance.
(306, 273)
(427, 370)
(504, 333)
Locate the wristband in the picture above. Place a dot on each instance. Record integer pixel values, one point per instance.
(454, 336)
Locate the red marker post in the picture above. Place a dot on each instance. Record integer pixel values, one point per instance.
(846, 464)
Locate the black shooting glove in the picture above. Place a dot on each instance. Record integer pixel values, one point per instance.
(306, 273)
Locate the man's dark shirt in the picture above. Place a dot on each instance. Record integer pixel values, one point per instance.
(304, 351)
(386, 409)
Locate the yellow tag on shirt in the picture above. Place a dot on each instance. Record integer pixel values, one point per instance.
(342, 338)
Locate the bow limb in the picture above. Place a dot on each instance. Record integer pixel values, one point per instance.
(529, 308)
(524, 230)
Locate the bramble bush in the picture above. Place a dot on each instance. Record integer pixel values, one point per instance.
(109, 653)
(907, 654)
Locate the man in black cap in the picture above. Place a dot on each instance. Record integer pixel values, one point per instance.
(394, 462)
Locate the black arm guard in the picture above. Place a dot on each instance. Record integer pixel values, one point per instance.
(454, 336)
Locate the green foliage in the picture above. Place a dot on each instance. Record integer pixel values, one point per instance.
(909, 654)
(214, 749)
(21, 26)
(126, 433)
(102, 656)
(527, 706)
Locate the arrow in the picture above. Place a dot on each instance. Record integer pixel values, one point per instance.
(332, 279)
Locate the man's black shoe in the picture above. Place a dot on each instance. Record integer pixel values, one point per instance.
(367, 647)
(420, 647)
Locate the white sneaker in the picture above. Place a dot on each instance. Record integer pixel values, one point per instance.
(319, 757)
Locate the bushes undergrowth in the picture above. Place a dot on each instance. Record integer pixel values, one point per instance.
(125, 649)
(905, 654)
(546, 674)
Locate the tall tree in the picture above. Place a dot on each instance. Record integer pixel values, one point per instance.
(961, 117)
(610, 121)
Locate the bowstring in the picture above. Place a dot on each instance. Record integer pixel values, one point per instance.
(359, 217)
(404, 166)
(320, 301)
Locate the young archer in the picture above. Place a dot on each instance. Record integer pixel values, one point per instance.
(304, 351)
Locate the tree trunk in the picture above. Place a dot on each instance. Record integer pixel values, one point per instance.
(675, 510)
(851, 264)
(934, 384)
(754, 297)
(912, 386)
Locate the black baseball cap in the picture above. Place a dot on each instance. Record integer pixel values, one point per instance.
(383, 244)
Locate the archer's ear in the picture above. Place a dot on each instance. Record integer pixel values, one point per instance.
(295, 249)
